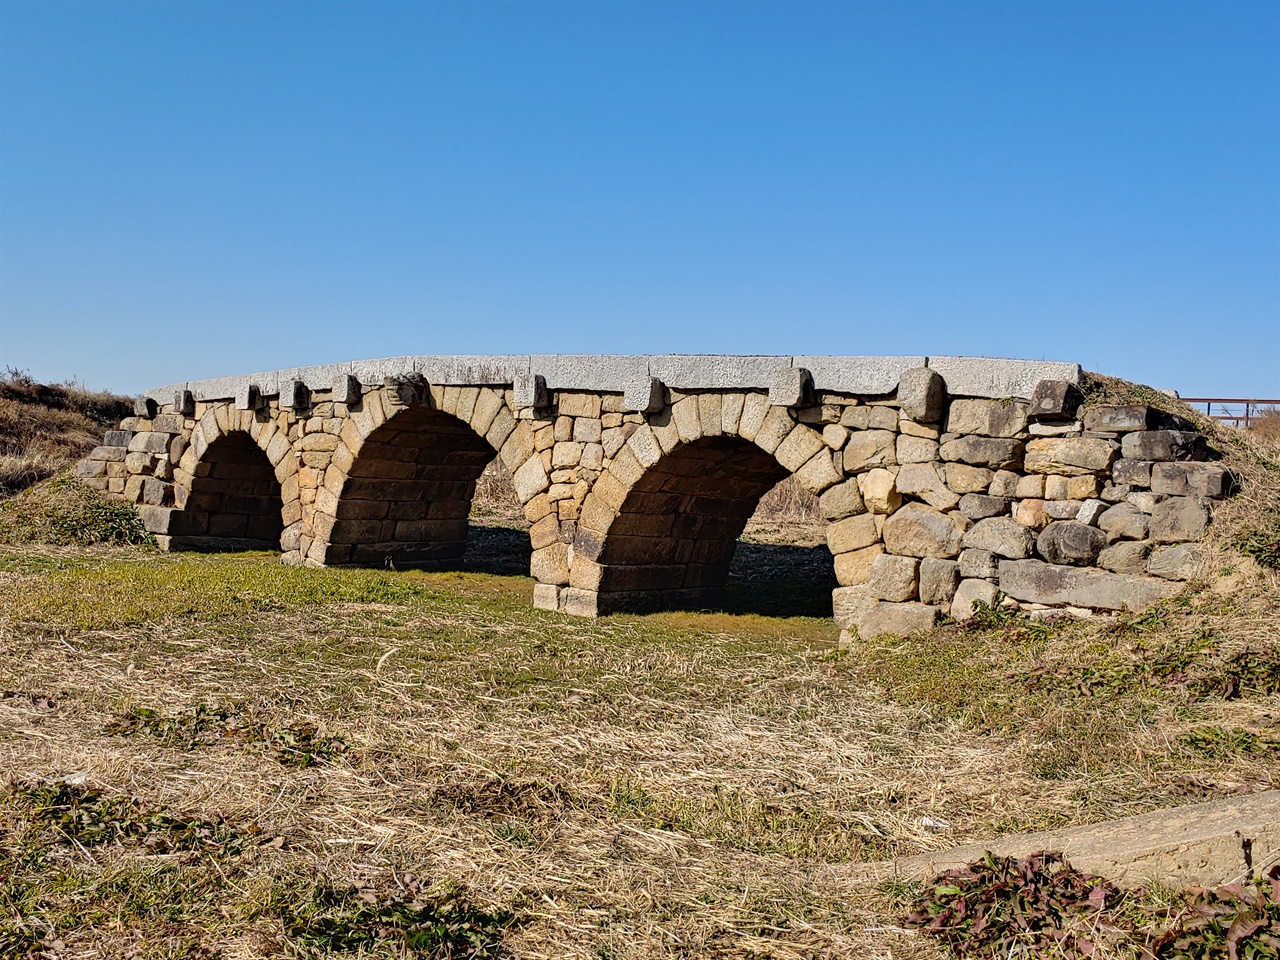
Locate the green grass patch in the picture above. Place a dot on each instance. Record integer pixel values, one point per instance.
(64, 511)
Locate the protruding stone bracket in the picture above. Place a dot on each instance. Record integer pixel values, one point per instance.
(346, 389)
(184, 403)
(294, 395)
(249, 397)
(791, 387)
(646, 395)
(922, 395)
(530, 390)
(145, 407)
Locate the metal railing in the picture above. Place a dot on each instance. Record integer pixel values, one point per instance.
(1237, 411)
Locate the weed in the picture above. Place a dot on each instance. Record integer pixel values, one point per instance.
(418, 920)
(65, 511)
(299, 744)
(79, 815)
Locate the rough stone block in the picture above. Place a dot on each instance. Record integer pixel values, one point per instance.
(842, 500)
(963, 478)
(1071, 542)
(1181, 562)
(1062, 509)
(1030, 487)
(799, 446)
(1054, 400)
(1083, 488)
(1126, 556)
(1069, 456)
(1120, 418)
(916, 450)
(147, 443)
(1056, 488)
(170, 423)
(1164, 445)
(530, 390)
(850, 603)
(978, 506)
(546, 596)
(917, 530)
(852, 533)
(1192, 479)
(854, 567)
(819, 473)
(790, 387)
(996, 378)
(1135, 473)
(1091, 511)
(346, 389)
(969, 594)
(925, 480)
(1031, 513)
(294, 395)
(996, 453)
(938, 580)
(879, 492)
(893, 578)
(834, 435)
(980, 564)
(550, 564)
(1034, 581)
(145, 407)
(896, 619)
(922, 394)
(1001, 536)
(1178, 519)
(530, 480)
(869, 448)
(987, 418)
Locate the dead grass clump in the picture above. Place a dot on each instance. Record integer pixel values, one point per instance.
(1266, 428)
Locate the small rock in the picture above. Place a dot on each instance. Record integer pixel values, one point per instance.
(1071, 542)
(896, 619)
(977, 506)
(969, 594)
(1124, 521)
(979, 564)
(1090, 511)
(1126, 556)
(938, 579)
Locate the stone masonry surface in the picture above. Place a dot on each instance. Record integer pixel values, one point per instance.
(945, 482)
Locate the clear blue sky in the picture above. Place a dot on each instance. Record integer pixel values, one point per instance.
(194, 189)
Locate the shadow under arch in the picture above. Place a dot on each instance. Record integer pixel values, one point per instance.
(235, 500)
(674, 540)
(408, 492)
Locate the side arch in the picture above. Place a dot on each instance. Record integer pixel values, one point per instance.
(399, 481)
(236, 485)
(661, 524)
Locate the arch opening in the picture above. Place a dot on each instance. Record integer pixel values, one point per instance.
(408, 493)
(235, 501)
(675, 542)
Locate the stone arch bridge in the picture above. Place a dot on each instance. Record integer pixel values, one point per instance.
(943, 480)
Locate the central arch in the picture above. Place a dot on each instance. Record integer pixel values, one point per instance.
(408, 492)
(675, 535)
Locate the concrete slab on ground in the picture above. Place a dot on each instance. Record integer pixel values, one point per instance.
(1201, 844)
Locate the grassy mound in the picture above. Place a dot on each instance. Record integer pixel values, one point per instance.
(45, 428)
(64, 511)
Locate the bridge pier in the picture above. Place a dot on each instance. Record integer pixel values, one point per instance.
(944, 481)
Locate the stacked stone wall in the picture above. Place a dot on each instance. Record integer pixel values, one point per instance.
(935, 501)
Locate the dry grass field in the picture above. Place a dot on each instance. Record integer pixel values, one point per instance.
(218, 756)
